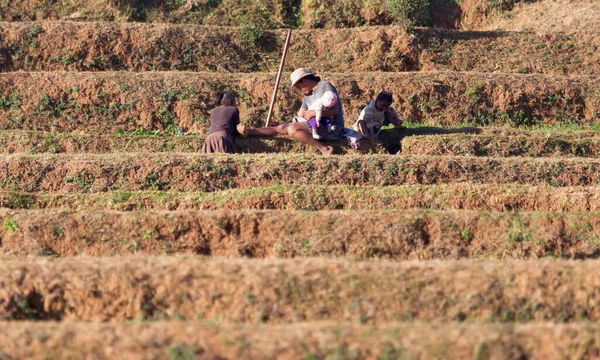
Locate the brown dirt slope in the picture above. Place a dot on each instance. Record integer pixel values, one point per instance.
(550, 15)
(500, 132)
(324, 197)
(186, 172)
(270, 13)
(168, 340)
(69, 46)
(276, 291)
(489, 145)
(398, 235)
(264, 14)
(564, 52)
(107, 101)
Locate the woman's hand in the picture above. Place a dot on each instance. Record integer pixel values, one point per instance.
(309, 114)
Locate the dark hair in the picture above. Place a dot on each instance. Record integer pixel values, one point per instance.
(385, 96)
(312, 78)
(218, 98)
(228, 99)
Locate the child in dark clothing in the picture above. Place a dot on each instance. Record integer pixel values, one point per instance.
(223, 122)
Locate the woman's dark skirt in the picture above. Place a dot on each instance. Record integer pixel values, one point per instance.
(219, 142)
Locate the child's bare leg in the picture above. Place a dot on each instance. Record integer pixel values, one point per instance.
(299, 132)
(361, 127)
(267, 131)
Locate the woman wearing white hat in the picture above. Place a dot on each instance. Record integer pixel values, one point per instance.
(313, 88)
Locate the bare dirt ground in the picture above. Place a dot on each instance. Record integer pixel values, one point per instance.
(494, 146)
(319, 339)
(407, 235)
(490, 197)
(265, 14)
(189, 172)
(106, 101)
(101, 46)
(550, 15)
(277, 291)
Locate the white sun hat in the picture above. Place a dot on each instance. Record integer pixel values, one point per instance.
(300, 74)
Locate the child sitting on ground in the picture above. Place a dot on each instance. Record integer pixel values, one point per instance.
(224, 120)
(377, 114)
(326, 102)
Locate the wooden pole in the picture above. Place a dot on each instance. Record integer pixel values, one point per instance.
(285, 48)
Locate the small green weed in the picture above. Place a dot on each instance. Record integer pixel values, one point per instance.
(152, 181)
(49, 106)
(200, 120)
(124, 88)
(251, 34)
(10, 225)
(11, 102)
(410, 13)
(392, 170)
(58, 232)
(29, 40)
(181, 352)
(134, 246)
(465, 235)
(67, 58)
(21, 201)
(474, 92)
(82, 179)
(165, 113)
(50, 143)
(518, 232)
(391, 352)
(146, 132)
(525, 70)
(354, 165)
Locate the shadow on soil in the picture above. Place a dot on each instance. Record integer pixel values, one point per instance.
(392, 138)
(431, 37)
(390, 141)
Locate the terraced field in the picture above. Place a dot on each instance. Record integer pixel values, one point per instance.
(106, 102)
(475, 233)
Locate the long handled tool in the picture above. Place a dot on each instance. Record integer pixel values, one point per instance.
(285, 48)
